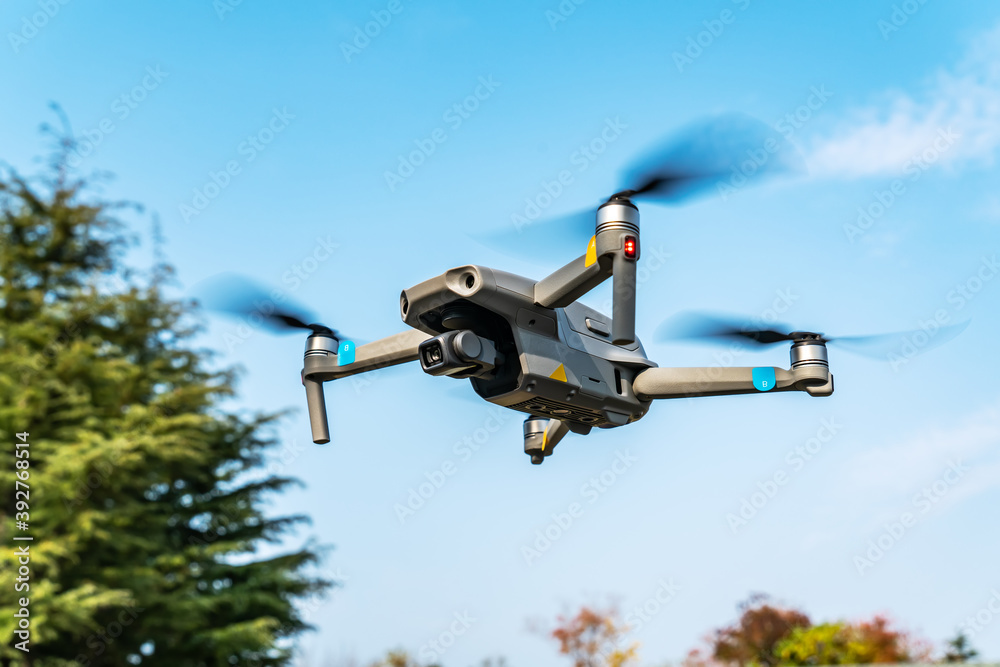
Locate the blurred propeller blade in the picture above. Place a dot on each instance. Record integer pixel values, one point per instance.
(721, 328)
(235, 295)
(730, 149)
(541, 238)
(881, 346)
(732, 145)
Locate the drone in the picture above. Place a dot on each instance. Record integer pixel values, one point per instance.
(533, 347)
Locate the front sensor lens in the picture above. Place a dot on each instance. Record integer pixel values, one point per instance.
(433, 354)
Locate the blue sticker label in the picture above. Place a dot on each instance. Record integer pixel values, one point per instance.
(345, 353)
(763, 378)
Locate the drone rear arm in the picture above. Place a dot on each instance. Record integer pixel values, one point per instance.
(716, 381)
(613, 252)
(322, 365)
(571, 282)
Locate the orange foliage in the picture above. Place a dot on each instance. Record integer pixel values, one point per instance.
(884, 644)
(751, 640)
(592, 638)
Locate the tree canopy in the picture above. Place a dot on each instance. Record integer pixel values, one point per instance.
(146, 497)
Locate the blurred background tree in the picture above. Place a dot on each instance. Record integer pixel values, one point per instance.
(841, 643)
(595, 638)
(769, 634)
(146, 496)
(752, 638)
(399, 658)
(960, 649)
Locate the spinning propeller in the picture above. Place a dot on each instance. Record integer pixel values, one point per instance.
(732, 149)
(239, 296)
(717, 329)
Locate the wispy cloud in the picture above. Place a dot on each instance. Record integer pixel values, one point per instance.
(898, 469)
(884, 138)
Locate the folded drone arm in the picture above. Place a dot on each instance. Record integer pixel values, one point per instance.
(716, 381)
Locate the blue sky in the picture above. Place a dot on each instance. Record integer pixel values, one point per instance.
(262, 142)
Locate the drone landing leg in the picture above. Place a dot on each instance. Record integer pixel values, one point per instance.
(322, 365)
(541, 435)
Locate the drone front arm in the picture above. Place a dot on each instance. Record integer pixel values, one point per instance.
(717, 381)
(322, 366)
(389, 351)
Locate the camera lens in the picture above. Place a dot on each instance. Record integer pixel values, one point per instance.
(432, 354)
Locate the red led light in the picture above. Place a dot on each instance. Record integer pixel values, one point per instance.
(631, 247)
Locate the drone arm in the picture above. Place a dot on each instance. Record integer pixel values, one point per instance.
(623, 303)
(716, 381)
(316, 402)
(390, 351)
(572, 281)
(321, 366)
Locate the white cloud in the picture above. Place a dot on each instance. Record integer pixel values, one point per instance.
(882, 476)
(883, 139)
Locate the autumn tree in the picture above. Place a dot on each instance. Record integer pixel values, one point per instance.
(399, 658)
(767, 634)
(595, 638)
(842, 643)
(146, 496)
(752, 638)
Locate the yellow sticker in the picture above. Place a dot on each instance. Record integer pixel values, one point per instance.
(591, 252)
(559, 374)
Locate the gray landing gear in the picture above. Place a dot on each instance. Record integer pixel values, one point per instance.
(541, 435)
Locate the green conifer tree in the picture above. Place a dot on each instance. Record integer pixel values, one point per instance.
(145, 495)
